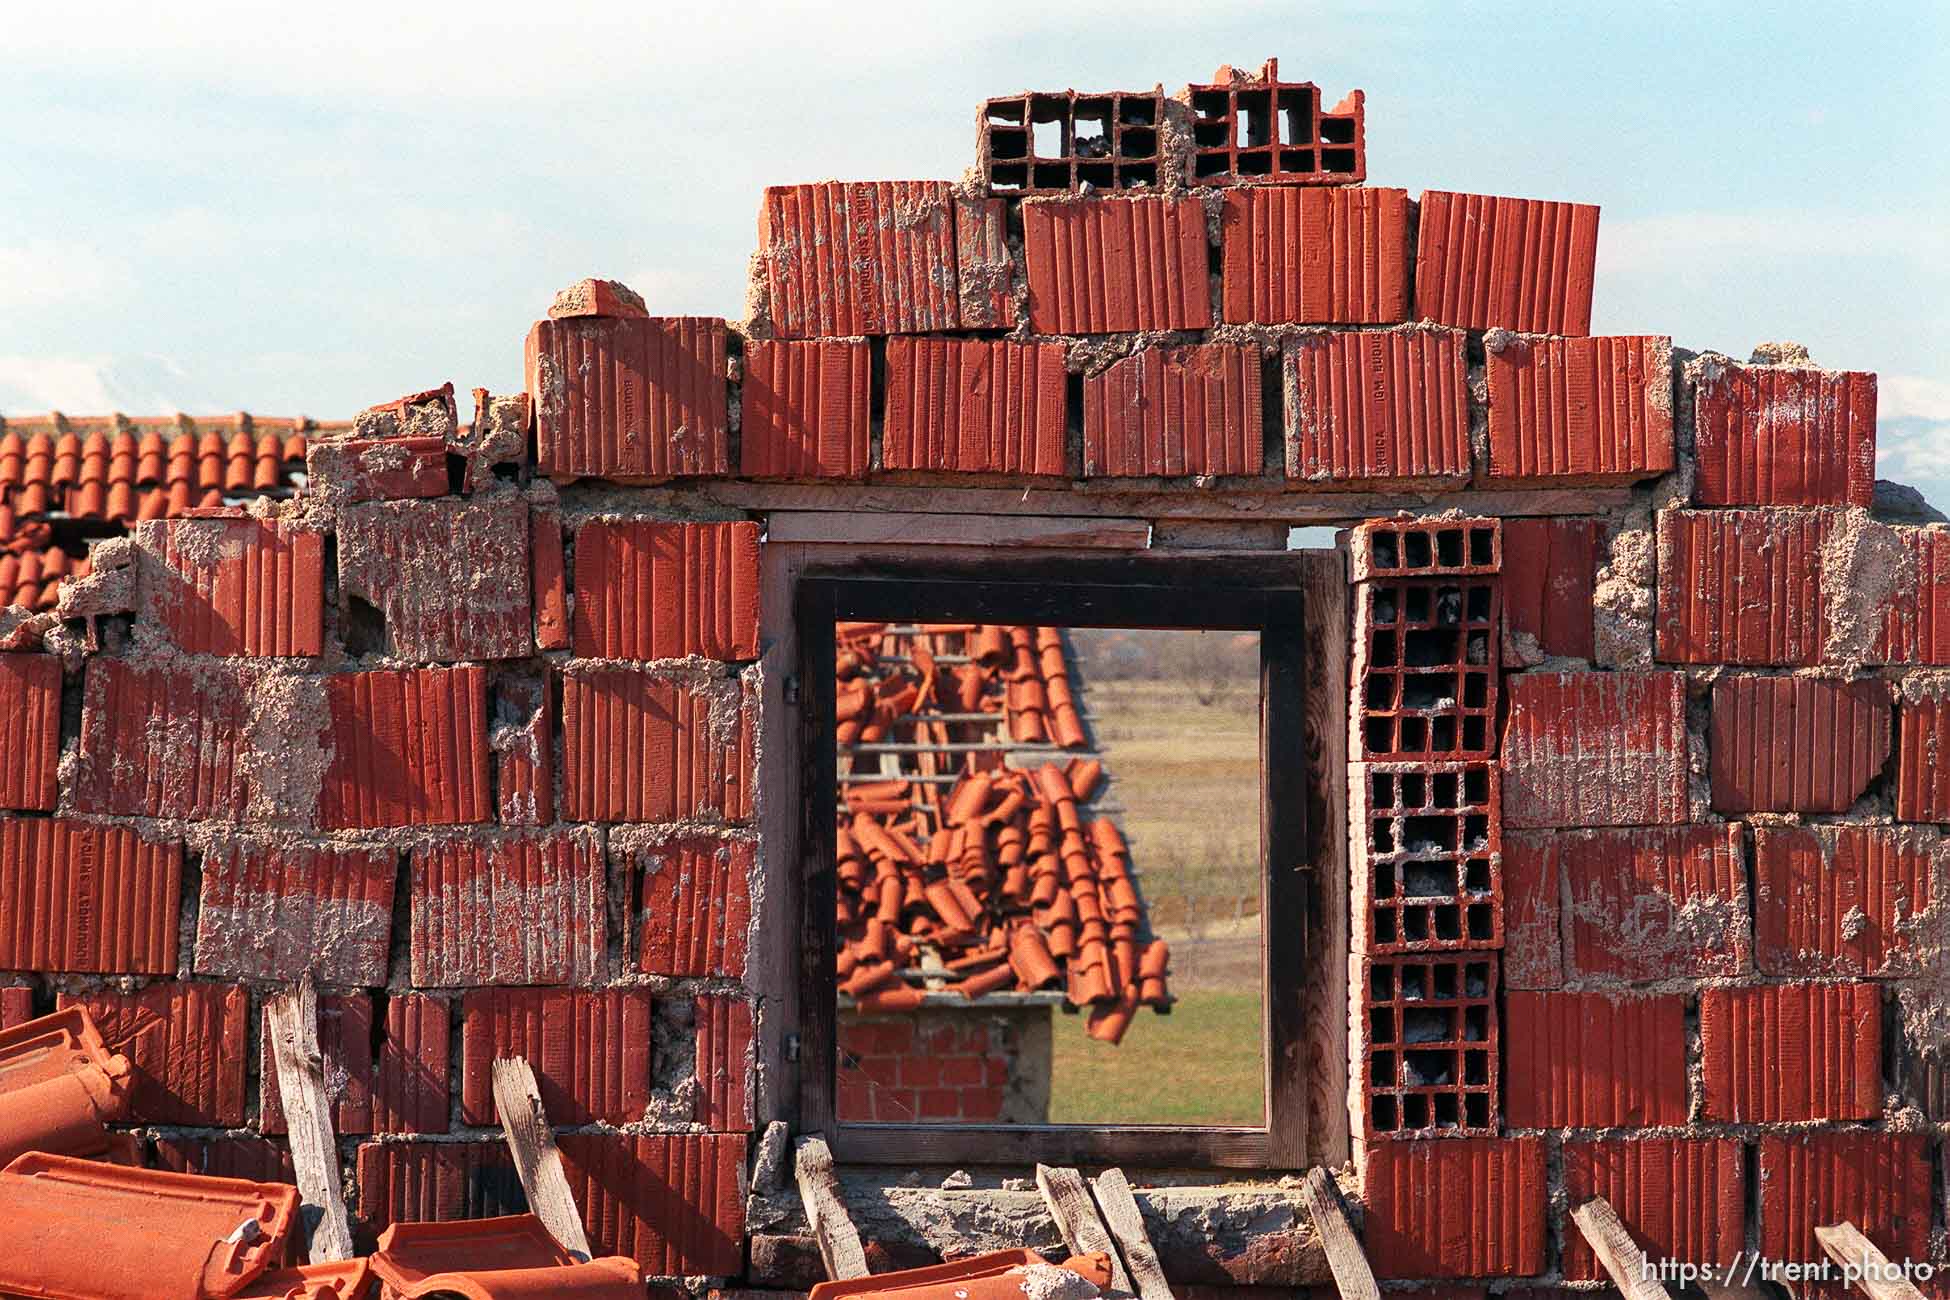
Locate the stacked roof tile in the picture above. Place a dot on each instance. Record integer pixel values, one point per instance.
(968, 869)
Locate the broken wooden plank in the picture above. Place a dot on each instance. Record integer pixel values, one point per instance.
(538, 1163)
(1349, 1263)
(293, 1025)
(832, 1228)
(861, 529)
(1120, 1213)
(1612, 1243)
(1864, 1264)
(1076, 1218)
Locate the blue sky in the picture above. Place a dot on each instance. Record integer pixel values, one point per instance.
(230, 206)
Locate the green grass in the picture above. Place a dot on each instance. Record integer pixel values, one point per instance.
(1198, 1065)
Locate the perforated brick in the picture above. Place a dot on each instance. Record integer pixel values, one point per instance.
(1426, 665)
(1428, 870)
(1429, 1054)
(1248, 130)
(1053, 142)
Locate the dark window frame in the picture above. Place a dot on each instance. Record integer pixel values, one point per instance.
(1261, 594)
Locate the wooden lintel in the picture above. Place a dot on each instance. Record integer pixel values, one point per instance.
(1353, 1278)
(1120, 1213)
(832, 1227)
(1076, 1218)
(1622, 1258)
(293, 1026)
(856, 528)
(538, 1163)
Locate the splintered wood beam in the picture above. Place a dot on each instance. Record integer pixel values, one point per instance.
(1864, 1264)
(1345, 1258)
(1076, 1218)
(293, 1024)
(538, 1163)
(832, 1227)
(1120, 1213)
(1612, 1243)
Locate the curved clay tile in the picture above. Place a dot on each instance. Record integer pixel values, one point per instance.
(179, 497)
(209, 469)
(152, 504)
(88, 500)
(240, 462)
(32, 498)
(210, 444)
(294, 449)
(13, 453)
(10, 580)
(121, 501)
(151, 457)
(67, 461)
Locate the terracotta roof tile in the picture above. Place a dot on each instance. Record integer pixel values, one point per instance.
(175, 1236)
(59, 1085)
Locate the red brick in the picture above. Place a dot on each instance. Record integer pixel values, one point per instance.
(1428, 856)
(860, 257)
(638, 400)
(1796, 744)
(1316, 146)
(409, 1092)
(164, 742)
(1768, 435)
(30, 730)
(675, 1204)
(1741, 586)
(1430, 1044)
(1425, 668)
(696, 908)
(435, 1182)
(344, 470)
(1521, 264)
(1784, 1052)
(1550, 569)
(409, 748)
(345, 1043)
(940, 1103)
(975, 406)
(1880, 1182)
(1922, 768)
(524, 751)
(548, 591)
(590, 1050)
(449, 576)
(985, 272)
(1315, 256)
(647, 590)
(1839, 900)
(253, 1159)
(1681, 1199)
(1377, 407)
(1114, 265)
(84, 899)
(187, 1043)
(807, 409)
(726, 1065)
(1441, 546)
(1171, 411)
(1650, 903)
(1595, 749)
(16, 1006)
(1470, 1207)
(1533, 944)
(275, 910)
(475, 904)
(1594, 1060)
(1914, 609)
(1580, 410)
(644, 748)
(235, 585)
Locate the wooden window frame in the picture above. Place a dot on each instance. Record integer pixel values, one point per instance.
(1299, 754)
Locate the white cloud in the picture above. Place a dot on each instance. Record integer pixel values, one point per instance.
(1920, 397)
(134, 385)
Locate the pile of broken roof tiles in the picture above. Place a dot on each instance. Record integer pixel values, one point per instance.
(968, 875)
(83, 1220)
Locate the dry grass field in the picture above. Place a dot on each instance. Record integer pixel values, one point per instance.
(1186, 776)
